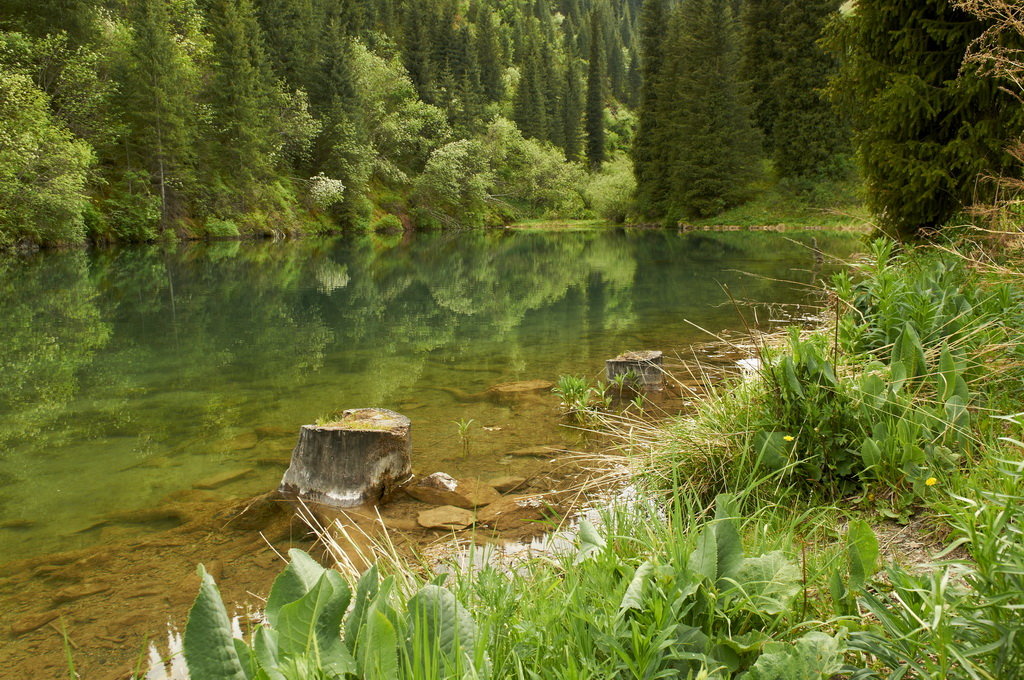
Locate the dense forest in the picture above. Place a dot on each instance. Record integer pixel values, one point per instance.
(133, 121)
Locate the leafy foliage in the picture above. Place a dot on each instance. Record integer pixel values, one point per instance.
(43, 169)
(960, 620)
(311, 632)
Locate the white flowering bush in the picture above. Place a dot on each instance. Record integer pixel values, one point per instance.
(325, 191)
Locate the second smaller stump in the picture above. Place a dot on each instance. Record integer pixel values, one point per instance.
(356, 460)
(645, 368)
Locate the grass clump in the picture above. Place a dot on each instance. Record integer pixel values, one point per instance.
(885, 405)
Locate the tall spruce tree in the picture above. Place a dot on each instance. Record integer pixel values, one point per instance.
(806, 139)
(649, 144)
(530, 104)
(342, 149)
(714, 153)
(762, 57)
(924, 130)
(241, 97)
(153, 96)
(291, 28)
(488, 56)
(572, 111)
(595, 96)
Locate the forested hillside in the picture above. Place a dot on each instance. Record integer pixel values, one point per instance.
(134, 121)
(128, 120)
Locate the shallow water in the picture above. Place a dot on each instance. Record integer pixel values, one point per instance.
(131, 377)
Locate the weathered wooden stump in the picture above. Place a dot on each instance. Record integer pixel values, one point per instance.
(646, 369)
(356, 460)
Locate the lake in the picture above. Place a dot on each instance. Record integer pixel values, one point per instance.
(138, 385)
(127, 375)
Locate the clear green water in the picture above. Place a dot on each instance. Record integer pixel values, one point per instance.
(129, 376)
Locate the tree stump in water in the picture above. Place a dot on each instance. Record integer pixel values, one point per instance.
(357, 460)
(646, 369)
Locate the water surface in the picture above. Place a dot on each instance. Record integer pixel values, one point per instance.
(128, 377)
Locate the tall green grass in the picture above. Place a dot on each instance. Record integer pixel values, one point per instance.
(648, 591)
(887, 403)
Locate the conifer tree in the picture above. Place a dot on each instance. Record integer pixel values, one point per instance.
(417, 52)
(241, 95)
(649, 144)
(488, 51)
(595, 96)
(154, 100)
(806, 139)
(924, 130)
(342, 150)
(761, 49)
(572, 111)
(530, 106)
(466, 86)
(291, 28)
(714, 153)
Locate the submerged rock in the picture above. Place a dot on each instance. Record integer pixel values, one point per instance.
(442, 489)
(445, 517)
(222, 479)
(27, 624)
(511, 512)
(507, 484)
(72, 593)
(534, 451)
(512, 390)
(241, 442)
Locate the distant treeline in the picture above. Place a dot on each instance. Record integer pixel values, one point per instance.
(138, 120)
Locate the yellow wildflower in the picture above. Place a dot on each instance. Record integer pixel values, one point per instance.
(788, 438)
(931, 481)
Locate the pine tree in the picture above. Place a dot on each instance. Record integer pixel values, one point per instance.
(466, 86)
(417, 52)
(924, 131)
(572, 111)
(807, 140)
(714, 154)
(649, 160)
(595, 96)
(530, 104)
(342, 149)
(761, 49)
(291, 28)
(154, 100)
(241, 96)
(488, 56)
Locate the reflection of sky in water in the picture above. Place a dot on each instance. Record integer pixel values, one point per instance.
(129, 375)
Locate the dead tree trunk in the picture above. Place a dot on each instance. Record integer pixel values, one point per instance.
(357, 460)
